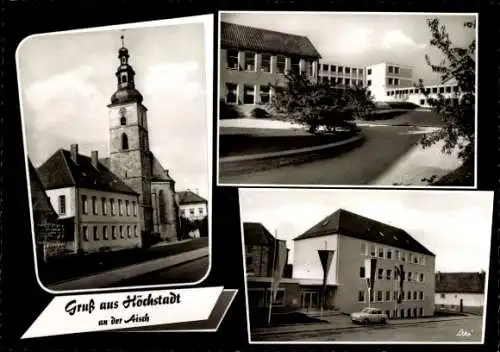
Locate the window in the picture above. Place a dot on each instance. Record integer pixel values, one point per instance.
(421, 312)
(96, 234)
(136, 231)
(379, 296)
(124, 142)
(434, 90)
(369, 71)
(369, 82)
(415, 295)
(265, 64)
(105, 232)
(380, 252)
(200, 211)
(325, 80)
(389, 69)
(427, 90)
(127, 207)
(85, 205)
(388, 274)
(85, 233)
(361, 296)
(388, 93)
(113, 232)
(441, 89)
(421, 277)
(249, 61)
(363, 248)
(403, 297)
(389, 254)
(120, 207)
(340, 69)
(422, 101)
(333, 68)
(455, 88)
(248, 94)
(396, 70)
(415, 259)
(395, 295)
(94, 205)
(231, 95)
(362, 272)
(128, 232)
(191, 211)
(360, 83)
(62, 205)
(124, 78)
(421, 295)
(448, 89)
(339, 80)
(396, 81)
(324, 68)
(295, 64)
(124, 60)
(380, 274)
(442, 295)
(409, 276)
(408, 297)
(347, 81)
(112, 206)
(354, 72)
(121, 232)
(280, 64)
(264, 94)
(408, 314)
(389, 80)
(347, 70)
(402, 313)
(134, 205)
(387, 296)
(232, 59)
(403, 257)
(372, 251)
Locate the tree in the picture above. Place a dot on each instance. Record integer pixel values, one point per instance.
(311, 103)
(458, 116)
(360, 101)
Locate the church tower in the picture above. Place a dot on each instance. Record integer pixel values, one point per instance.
(130, 157)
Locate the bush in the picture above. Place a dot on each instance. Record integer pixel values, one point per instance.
(259, 113)
(228, 111)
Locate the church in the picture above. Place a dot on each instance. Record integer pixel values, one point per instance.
(125, 200)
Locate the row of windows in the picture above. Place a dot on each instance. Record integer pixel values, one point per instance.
(109, 206)
(448, 101)
(393, 69)
(447, 89)
(408, 313)
(339, 80)
(340, 69)
(249, 93)
(114, 231)
(393, 81)
(387, 253)
(380, 297)
(249, 63)
(389, 275)
(192, 212)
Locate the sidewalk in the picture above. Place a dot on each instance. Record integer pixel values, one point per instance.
(343, 322)
(112, 276)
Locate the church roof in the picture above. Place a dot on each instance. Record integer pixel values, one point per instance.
(61, 171)
(189, 197)
(353, 225)
(262, 40)
(125, 96)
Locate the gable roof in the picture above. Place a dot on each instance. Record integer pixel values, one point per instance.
(353, 225)
(257, 235)
(61, 171)
(460, 282)
(263, 40)
(189, 197)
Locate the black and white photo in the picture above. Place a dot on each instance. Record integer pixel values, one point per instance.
(118, 137)
(347, 99)
(366, 266)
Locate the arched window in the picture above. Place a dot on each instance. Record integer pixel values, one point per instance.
(162, 207)
(124, 78)
(124, 60)
(123, 120)
(124, 142)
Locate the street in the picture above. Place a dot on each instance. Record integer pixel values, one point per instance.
(466, 329)
(189, 272)
(382, 147)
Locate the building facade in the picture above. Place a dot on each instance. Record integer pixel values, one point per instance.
(192, 206)
(460, 292)
(341, 75)
(260, 245)
(252, 60)
(354, 240)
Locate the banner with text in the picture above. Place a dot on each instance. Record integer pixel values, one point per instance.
(124, 310)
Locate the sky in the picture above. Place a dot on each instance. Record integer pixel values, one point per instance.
(454, 225)
(66, 82)
(365, 39)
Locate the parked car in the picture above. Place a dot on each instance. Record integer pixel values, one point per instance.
(368, 316)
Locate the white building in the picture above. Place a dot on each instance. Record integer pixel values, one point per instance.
(354, 240)
(461, 292)
(341, 75)
(192, 206)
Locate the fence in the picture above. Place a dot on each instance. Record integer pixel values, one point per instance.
(50, 241)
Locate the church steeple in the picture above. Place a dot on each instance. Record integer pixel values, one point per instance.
(125, 76)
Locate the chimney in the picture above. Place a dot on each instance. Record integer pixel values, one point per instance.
(95, 158)
(74, 153)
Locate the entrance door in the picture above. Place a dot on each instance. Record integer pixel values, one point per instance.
(309, 300)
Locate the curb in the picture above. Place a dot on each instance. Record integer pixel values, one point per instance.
(346, 328)
(128, 272)
(237, 166)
